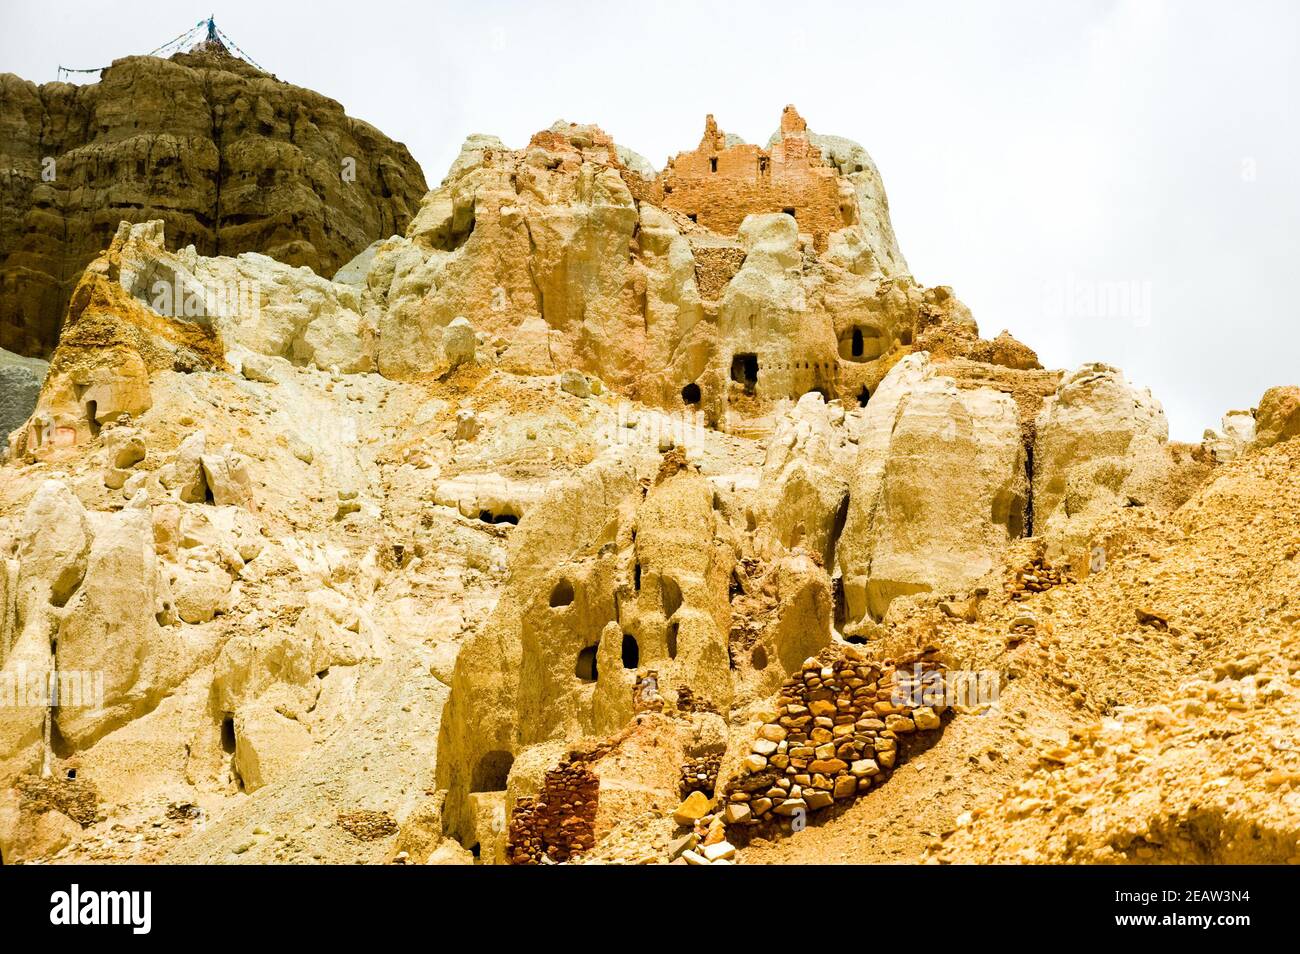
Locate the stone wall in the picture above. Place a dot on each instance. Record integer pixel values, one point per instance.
(700, 774)
(836, 734)
(559, 822)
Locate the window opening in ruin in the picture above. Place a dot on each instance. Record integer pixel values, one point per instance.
(636, 577)
(857, 343)
(693, 217)
(762, 164)
(713, 164)
(744, 370)
(72, 774)
(691, 393)
(92, 417)
(586, 667)
(631, 652)
(672, 640)
(789, 210)
(228, 735)
(562, 594)
(905, 336)
(759, 657)
(863, 396)
(492, 771)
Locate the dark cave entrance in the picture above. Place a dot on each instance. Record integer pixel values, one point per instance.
(744, 371)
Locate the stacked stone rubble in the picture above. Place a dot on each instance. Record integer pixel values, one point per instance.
(700, 774)
(836, 734)
(1035, 577)
(559, 822)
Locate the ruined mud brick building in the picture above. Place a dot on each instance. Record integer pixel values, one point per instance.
(722, 181)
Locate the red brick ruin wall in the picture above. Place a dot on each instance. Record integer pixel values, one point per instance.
(718, 185)
(560, 821)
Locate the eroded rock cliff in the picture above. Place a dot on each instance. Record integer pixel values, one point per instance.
(597, 519)
(230, 158)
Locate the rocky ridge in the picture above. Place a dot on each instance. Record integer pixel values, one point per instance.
(229, 158)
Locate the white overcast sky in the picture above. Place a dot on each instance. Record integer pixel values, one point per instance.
(1039, 157)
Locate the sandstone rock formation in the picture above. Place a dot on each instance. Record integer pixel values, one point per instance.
(689, 289)
(229, 158)
(1099, 446)
(1279, 416)
(614, 515)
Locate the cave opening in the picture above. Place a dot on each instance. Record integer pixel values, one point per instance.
(631, 652)
(585, 669)
(561, 594)
(744, 370)
(492, 771)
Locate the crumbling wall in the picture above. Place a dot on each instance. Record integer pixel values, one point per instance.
(558, 822)
(840, 725)
(721, 182)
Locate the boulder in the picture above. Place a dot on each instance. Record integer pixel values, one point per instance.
(268, 746)
(53, 546)
(1235, 434)
(459, 342)
(110, 630)
(199, 591)
(187, 469)
(1278, 417)
(575, 383)
(226, 478)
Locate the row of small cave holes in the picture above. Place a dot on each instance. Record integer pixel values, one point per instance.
(585, 668)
